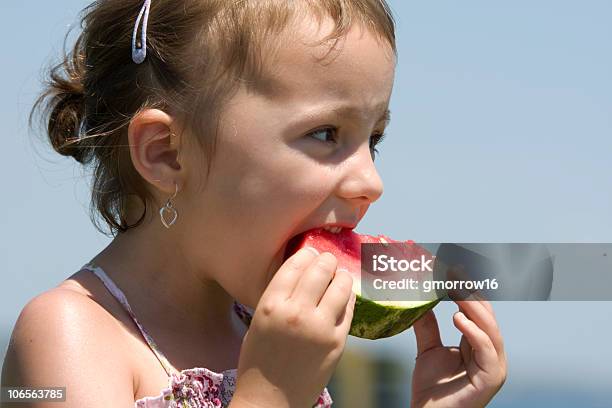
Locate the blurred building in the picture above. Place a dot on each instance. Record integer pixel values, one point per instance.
(364, 380)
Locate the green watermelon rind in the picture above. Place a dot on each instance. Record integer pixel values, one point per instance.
(374, 321)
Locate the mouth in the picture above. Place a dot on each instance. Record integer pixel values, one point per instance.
(294, 242)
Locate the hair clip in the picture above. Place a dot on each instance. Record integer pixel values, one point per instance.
(140, 53)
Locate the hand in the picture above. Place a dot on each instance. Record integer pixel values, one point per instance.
(297, 334)
(465, 376)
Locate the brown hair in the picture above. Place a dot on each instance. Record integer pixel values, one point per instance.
(199, 52)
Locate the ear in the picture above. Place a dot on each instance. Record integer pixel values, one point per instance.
(154, 149)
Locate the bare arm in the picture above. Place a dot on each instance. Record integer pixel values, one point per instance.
(61, 340)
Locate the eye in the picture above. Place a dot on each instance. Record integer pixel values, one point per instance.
(325, 132)
(375, 140)
(329, 134)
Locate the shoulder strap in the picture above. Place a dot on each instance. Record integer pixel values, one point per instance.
(244, 312)
(118, 294)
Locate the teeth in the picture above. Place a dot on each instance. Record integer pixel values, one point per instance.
(333, 230)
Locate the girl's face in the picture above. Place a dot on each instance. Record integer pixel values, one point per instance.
(298, 159)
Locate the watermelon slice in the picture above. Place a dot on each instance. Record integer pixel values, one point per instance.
(372, 319)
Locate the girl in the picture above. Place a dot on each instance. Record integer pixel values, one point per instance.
(217, 131)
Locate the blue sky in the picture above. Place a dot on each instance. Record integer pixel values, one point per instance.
(501, 132)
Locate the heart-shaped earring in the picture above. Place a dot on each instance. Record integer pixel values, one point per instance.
(169, 207)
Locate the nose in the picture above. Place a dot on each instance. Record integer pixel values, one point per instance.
(360, 180)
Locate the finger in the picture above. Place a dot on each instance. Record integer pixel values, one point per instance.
(479, 314)
(347, 318)
(314, 281)
(484, 354)
(338, 293)
(481, 298)
(457, 273)
(284, 281)
(466, 350)
(427, 333)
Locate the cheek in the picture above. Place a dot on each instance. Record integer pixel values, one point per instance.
(251, 205)
(285, 196)
(271, 186)
(262, 212)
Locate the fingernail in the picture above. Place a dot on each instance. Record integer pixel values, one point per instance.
(313, 250)
(343, 270)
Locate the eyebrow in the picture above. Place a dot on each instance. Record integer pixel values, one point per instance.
(351, 111)
(355, 112)
(341, 110)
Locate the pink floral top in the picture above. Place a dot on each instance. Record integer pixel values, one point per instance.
(195, 387)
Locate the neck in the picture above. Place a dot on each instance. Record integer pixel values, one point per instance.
(163, 287)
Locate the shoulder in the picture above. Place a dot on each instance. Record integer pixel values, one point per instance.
(61, 311)
(62, 337)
